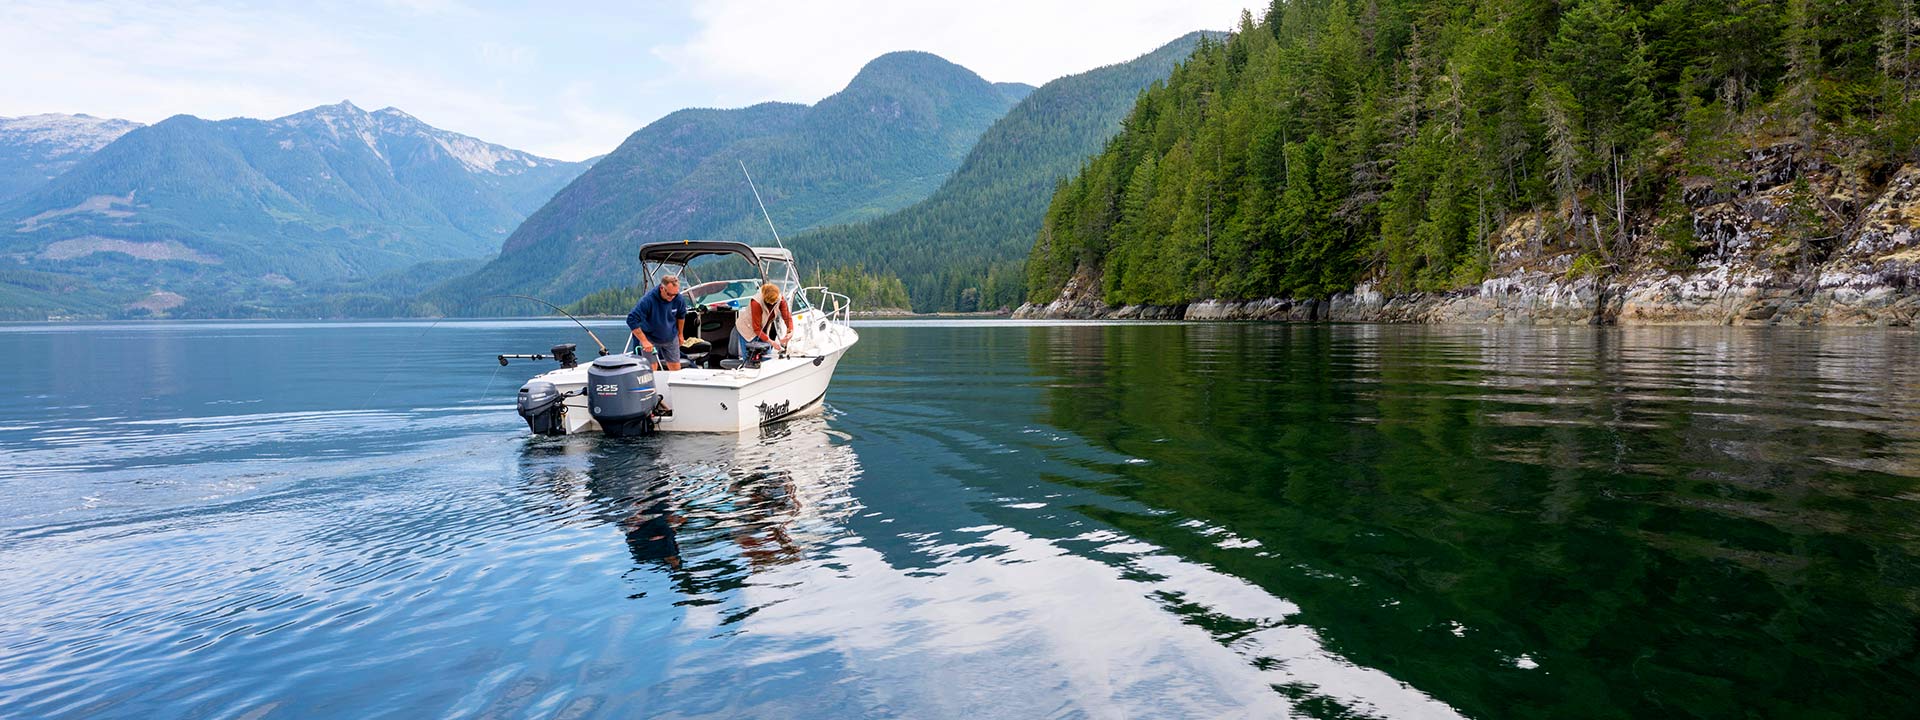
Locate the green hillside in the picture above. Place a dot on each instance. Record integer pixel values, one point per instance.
(963, 247)
(1332, 141)
(889, 139)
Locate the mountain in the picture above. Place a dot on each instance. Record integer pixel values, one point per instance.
(888, 139)
(245, 217)
(962, 248)
(35, 148)
(1589, 161)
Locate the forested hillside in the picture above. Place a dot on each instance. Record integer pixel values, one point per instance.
(887, 140)
(1405, 142)
(962, 248)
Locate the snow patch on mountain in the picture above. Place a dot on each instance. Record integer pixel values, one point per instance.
(57, 135)
(345, 120)
(342, 121)
(475, 154)
(481, 157)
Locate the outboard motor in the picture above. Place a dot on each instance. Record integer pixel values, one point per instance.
(621, 395)
(542, 406)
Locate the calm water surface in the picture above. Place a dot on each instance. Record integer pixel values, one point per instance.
(246, 520)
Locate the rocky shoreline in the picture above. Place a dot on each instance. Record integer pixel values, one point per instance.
(1761, 265)
(1544, 299)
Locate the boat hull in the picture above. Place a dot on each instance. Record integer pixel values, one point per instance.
(715, 405)
(718, 400)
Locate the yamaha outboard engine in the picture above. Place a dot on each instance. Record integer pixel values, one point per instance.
(621, 395)
(542, 406)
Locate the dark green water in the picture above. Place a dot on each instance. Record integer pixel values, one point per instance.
(989, 520)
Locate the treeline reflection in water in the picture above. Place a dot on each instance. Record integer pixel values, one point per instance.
(988, 520)
(1703, 522)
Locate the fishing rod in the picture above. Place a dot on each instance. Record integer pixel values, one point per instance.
(794, 263)
(763, 205)
(562, 311)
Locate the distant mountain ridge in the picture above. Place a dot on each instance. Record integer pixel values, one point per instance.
(897, 130)
(36, 148)
(963, 247)
(918, 169)
(244, 216)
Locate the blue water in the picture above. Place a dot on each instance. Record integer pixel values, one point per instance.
(246, 520)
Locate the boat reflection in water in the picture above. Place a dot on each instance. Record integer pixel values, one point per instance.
(650, 534)
(757, 570)
(709, 508)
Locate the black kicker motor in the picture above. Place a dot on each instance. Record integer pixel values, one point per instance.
(543, 407)
(621, 395)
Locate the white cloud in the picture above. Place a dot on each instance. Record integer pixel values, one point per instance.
(150, 61)
(767, 49)
(567, 83)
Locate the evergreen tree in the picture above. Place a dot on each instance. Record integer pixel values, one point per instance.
(1335, 140)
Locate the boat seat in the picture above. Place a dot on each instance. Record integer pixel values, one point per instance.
(716, 327)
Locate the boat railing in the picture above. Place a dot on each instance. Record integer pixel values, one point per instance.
(842, 309)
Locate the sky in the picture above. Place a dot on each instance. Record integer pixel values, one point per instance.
(564, 80)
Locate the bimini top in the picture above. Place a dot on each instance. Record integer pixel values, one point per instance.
(685, 251)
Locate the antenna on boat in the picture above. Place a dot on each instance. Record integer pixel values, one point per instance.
(763, 205)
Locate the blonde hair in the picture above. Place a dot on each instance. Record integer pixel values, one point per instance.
(770, 292)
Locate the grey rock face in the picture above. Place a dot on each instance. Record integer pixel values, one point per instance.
(1796, 242)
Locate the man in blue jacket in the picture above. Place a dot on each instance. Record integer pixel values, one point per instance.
(659, 320)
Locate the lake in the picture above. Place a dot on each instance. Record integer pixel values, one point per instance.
(989, 519)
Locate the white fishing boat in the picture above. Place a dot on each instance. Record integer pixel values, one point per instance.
(716, 390)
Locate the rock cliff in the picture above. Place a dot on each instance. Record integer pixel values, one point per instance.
(1792, 240)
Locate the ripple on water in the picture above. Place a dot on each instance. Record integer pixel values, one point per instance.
(1075, 520)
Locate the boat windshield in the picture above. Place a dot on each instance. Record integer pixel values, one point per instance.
(727, 292)
(721, 292)
(743, 277)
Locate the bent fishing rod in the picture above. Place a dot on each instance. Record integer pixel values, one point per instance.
(562, 311)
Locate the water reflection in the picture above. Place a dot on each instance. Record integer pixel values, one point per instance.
(709, 510)
(1570, 523)
(650, 532)
(790, 574)
(989, 521)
